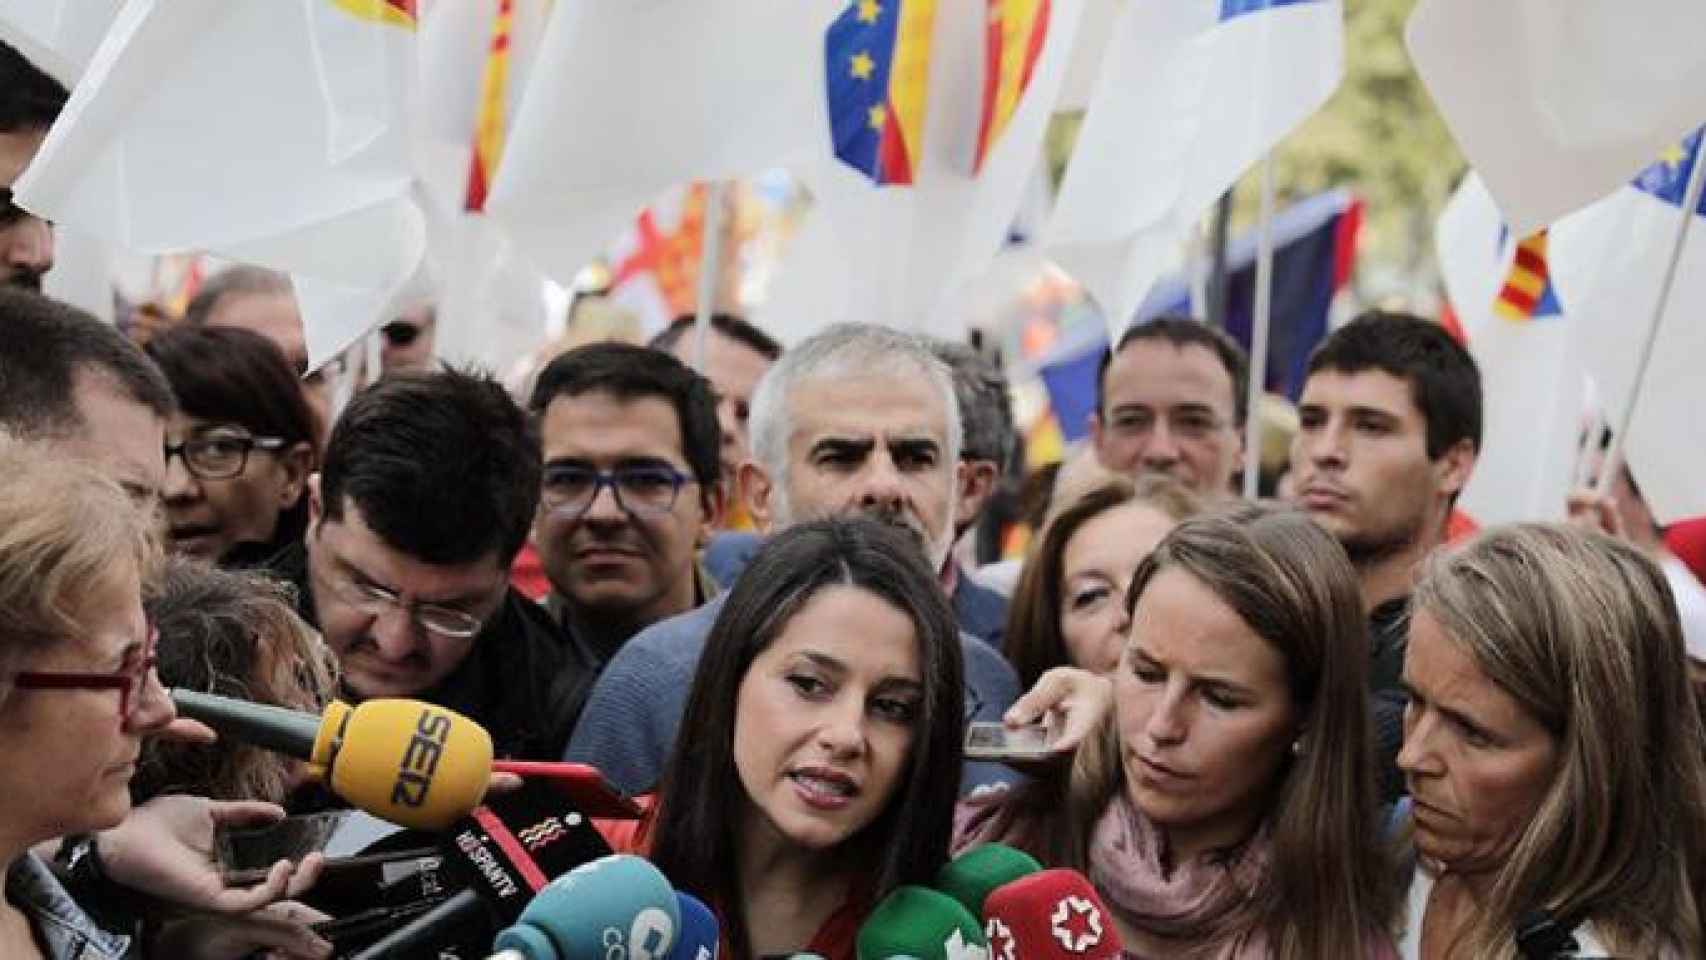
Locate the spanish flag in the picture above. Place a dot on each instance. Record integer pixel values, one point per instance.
(877, 59)
(1017, 30)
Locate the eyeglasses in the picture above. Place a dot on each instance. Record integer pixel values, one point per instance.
(641, 491)
(220, 457)
(373, 599)
(127, 680)
(400, 333)
(1188, 424)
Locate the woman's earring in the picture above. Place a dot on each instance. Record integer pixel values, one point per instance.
(1297, 747)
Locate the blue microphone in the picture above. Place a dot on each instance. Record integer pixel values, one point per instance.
(616, 905)
(700, 935)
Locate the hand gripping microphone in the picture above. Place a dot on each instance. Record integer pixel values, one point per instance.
(971, 876)
(502, 855)
(923, 924)
(617, 906)
(1050, 915)
(409, 762)
(700, 936)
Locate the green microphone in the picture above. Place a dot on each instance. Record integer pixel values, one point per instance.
(973, 875)
(923, 924)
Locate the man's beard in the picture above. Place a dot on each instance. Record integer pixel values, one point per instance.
(25, 279)
(935, 549)
(1367, 548)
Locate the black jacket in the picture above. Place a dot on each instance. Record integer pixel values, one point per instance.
(518, 680)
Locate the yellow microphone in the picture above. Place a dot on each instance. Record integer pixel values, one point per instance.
(413, 763)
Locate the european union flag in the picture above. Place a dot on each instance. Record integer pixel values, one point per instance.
(1668, 179)
(1237, 8)
(877, 60)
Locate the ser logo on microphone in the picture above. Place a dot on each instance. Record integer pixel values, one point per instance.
(420, 759)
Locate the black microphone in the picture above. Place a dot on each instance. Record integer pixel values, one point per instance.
(502, 854)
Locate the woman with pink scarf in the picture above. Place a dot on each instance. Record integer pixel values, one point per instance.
(1226, 808)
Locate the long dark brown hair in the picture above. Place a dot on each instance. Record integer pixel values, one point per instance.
(701, 802)
(1332, 885)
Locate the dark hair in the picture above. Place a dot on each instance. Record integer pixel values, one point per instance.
(1182, 332)
(700, 798)
(30, 99)
(43, 343)
(1443, 378)
(231, 375)
(443, 466)
(235, 634)
(1033, 643)
(239, 279)
(986, 410)
(628, 372)
(728, 325)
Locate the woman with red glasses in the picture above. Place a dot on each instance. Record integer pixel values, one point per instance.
(77, 687)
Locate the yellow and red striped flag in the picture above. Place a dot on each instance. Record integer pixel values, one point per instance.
(490, 122)
(1527, 292)
(1017, 30)
(397, 13)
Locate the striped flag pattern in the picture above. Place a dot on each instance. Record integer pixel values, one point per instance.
(1527, 292)
(490, 122)
(1017, 30)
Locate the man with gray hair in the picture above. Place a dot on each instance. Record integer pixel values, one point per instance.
(857, 420)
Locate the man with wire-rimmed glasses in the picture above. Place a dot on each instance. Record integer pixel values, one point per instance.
(631, 491)
(424, 499)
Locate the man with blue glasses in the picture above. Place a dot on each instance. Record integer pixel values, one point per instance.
(630, 491)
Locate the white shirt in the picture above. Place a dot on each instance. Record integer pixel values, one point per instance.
(1416, 908)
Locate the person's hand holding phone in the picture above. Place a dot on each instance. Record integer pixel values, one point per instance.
(1066, 705)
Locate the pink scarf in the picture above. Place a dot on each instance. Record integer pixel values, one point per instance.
(1193, 903)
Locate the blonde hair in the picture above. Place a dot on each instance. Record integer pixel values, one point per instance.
(1582, 631)
(67, 532)
(235, 634)
(1331, 886)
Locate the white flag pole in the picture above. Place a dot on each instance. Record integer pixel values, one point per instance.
(1259, 331)
(710, 268)
(1690, 204)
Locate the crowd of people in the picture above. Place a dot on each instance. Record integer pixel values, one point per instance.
(1318, 726)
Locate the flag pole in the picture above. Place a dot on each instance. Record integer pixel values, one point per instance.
(710, 268)
(1259, 331)
(1690, 205)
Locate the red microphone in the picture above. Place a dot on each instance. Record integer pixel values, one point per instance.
(1050, 915)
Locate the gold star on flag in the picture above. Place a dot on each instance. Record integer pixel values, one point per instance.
(1673, 156)
(878, 117)
(863, 65)
(869, 11)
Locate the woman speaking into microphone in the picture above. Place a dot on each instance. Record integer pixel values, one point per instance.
(819, 760)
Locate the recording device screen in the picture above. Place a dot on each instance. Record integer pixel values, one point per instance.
(250, 850)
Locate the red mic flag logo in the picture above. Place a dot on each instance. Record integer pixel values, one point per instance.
(1076, 923)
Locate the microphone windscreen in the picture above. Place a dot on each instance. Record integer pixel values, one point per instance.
(619, 905)
(700, 935)
(409, 762)
(1049, 915)
(971, 876)
(921, 923)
